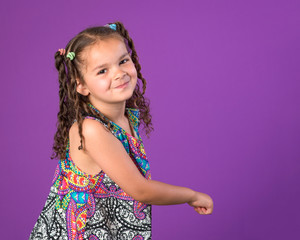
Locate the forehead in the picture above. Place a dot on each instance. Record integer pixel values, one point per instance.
(104, 51)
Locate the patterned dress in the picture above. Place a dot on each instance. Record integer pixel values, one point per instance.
(82, 206)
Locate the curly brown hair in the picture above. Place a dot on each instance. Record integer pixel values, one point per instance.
(73, 105)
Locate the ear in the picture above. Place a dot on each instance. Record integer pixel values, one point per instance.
(82, 89)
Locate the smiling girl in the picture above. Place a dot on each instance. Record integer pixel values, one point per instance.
(102, 187)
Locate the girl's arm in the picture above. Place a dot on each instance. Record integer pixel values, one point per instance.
(108, 152)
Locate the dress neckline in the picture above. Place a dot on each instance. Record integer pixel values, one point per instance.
(133, 117)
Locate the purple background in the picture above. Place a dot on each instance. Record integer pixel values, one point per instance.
(223, 81)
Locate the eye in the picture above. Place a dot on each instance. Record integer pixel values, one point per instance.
(100, 72)
(125, 59)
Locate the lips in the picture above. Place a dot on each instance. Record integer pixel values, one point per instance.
(122, 85)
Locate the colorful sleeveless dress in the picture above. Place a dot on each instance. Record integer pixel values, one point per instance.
(81, 206)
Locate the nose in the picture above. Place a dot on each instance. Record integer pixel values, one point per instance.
(120, 74)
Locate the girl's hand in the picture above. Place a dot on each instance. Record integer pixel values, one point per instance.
(202, 203)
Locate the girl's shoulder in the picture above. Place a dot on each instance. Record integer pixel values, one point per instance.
(89, 125)
(93, 132)
(85, 116)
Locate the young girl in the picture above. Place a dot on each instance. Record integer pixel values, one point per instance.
(102, 187)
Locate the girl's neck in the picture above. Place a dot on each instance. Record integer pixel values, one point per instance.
(116, 113)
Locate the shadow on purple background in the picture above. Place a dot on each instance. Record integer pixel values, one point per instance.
(223, 81)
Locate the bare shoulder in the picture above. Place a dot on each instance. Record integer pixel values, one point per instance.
(96, 135)
(90, 127)
(91, 130)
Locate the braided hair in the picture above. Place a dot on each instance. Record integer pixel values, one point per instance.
(73, 105)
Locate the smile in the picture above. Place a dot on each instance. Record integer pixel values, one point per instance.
(123, 85)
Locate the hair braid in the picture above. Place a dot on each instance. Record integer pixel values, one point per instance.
(63, 112)
(138, 98)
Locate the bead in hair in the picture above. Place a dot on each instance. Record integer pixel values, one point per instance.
(62, 51)
(112, 26)
(71, 55)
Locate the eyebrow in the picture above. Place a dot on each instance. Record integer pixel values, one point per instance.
(102, 65)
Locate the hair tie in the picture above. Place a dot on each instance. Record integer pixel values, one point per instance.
(112, 26)
(71, 55)
(62, 51)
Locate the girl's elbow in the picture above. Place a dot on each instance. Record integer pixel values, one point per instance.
(141, 197)
(142, 194)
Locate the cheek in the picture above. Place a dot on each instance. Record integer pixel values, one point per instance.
(101, 85)
(133, 71)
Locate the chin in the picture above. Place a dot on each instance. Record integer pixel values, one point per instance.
(129, 96)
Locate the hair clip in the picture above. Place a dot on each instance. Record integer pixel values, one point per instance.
(71, 55)
(112, 26)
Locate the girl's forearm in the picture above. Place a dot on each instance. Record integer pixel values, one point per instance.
(159, 193)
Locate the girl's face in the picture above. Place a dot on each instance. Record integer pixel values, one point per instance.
(108, 66)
